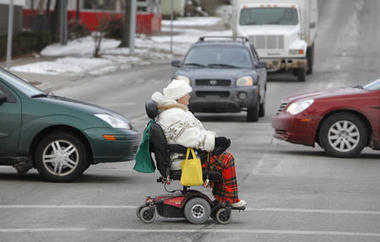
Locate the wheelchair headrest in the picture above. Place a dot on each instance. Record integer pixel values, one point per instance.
(151, 109)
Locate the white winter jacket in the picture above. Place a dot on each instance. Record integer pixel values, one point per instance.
(181, 126)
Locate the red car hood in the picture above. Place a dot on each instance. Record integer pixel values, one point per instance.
(348, 92)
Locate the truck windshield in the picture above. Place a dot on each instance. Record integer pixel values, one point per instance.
(268, 16)
(219, 57)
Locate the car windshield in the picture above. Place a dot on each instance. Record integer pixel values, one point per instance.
(20, 84)
(375, 85)
(218, 57)
(268, 16)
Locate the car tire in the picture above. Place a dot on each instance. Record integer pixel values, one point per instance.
(310, 59)
(262, 109)
(61, 157)
(343, 135)
(301, 74)
(253, 113)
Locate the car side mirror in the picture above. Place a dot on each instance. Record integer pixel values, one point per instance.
(312, 25)
(3, 98)
(261, 64)
(176, 63)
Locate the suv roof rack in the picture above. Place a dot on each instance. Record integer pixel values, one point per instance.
(241, 38)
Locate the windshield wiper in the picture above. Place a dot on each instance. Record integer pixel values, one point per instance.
(358, 86)
(39, 95)
(223, 65)
(194, 64)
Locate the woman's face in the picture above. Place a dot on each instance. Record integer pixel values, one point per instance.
(184, 100)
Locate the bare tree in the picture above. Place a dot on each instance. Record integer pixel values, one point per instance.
(77, 13)
(55, 20)
(41, 4)
(47, 12)
(98, 35)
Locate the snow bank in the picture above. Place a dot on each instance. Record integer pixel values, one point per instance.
(192, 21)
(76, 55)
(67, 65)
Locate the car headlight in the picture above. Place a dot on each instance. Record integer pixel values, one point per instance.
(244, 81)
(299, 107)
(296, 52)
(113, 121)
(185, 78)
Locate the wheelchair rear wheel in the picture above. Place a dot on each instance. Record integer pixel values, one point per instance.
(197, 210)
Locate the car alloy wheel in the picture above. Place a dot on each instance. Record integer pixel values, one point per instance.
(60, 157)
(343, 134)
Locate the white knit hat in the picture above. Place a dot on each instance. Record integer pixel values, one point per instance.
(177, 89)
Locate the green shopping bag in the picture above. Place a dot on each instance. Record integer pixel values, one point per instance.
(144, 162)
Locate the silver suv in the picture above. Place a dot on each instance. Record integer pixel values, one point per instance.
(226, 76)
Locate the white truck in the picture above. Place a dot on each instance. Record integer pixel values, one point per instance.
(282, 31)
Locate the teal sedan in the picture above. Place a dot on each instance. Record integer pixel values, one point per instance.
(59, 137)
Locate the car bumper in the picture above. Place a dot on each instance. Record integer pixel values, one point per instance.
(286, 63)
(223, 100)
(122, 145)
(298, 129)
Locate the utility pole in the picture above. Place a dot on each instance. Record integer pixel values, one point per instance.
(171, 26)
(132, 28)
(129, 26)
(63, 22)
(10, 34)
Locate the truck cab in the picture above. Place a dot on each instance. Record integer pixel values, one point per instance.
(283, 32)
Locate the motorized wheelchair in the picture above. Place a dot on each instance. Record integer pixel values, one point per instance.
(187, 203)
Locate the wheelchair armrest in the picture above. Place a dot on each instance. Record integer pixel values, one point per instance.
(175, 148)
(214, 176)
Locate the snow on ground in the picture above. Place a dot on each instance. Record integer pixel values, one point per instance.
(192, 21)
(67, 65)
(78, 47)
(76, 57)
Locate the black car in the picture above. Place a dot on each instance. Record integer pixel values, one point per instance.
(226, 76)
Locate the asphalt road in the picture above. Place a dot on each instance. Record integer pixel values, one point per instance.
(295, 193)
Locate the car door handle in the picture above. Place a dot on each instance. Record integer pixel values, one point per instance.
(3, 135)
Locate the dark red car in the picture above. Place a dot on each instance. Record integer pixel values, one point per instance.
(342, 121)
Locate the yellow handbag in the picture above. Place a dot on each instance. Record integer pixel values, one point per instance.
(191, 170)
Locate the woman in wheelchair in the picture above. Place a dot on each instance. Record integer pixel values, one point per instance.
(181, 127)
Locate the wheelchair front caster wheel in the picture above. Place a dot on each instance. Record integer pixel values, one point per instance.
(223, 215)
(138, 210)
(197, 210)
(147, 214)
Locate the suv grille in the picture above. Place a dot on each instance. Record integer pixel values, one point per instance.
(281, 108)
(212, 94)
(212, 82)
(267, 41)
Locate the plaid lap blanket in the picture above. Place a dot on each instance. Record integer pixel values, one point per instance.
(226, 190)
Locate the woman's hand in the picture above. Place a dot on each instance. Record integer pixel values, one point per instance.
(221, 144)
